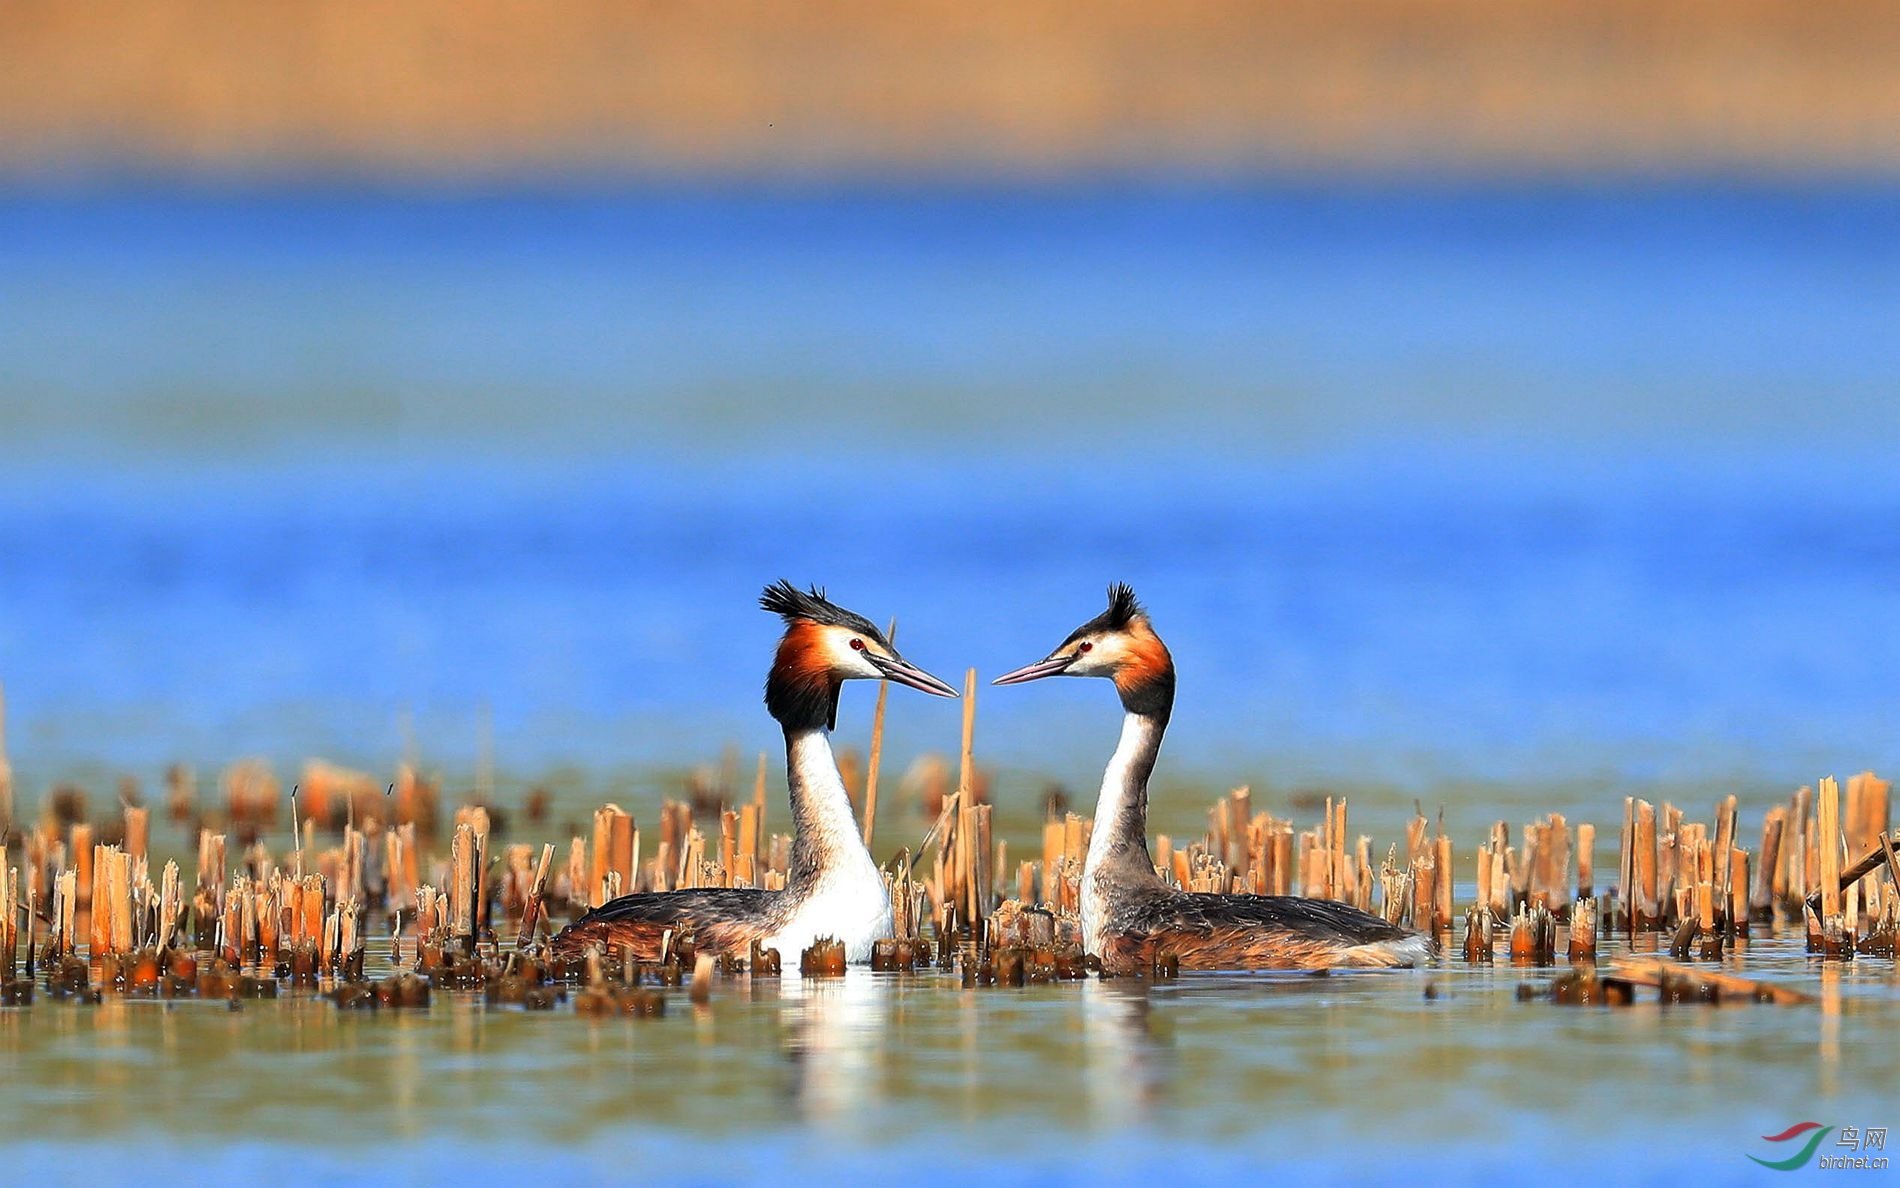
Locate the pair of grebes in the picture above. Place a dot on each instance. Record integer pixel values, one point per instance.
(834, 890)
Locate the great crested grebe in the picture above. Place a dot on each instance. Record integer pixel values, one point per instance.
(833, 888)
(1128, 913)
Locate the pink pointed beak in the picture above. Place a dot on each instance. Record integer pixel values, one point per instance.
(905, 673)
(1053, 666)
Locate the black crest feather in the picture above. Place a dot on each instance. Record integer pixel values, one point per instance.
(1123, 608)
(792, 604)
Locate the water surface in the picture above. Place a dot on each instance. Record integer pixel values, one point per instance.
(1346, 1077)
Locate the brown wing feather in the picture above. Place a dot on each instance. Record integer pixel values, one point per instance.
(1248, 932)
(725, 920)
(1224, 948)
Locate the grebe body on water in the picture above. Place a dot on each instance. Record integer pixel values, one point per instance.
(833, 888)
(1128, 913)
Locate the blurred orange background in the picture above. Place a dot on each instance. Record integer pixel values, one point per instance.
(434, 86)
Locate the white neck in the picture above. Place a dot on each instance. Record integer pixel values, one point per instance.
(836, 887)
(1118, 846)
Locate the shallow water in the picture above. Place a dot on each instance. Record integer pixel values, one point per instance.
(1341, 1075)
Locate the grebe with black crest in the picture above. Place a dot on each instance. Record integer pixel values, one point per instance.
(833, 888)
(1129, 915)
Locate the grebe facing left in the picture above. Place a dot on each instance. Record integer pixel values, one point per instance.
(833, 888)
(1128, 913)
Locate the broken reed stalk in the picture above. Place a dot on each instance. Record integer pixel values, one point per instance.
(138, 830)
(1645, 914)
(1828, 825)
(623, 856)
(1424, 899)
(210, 859)
(1049, 892)
(9, 925)
(531, 912)
(758, 806)
(1655, 971)
(1533, 937)
(987, 851)
(99, 938)
(1626, 865)
(1583, 929)
(967, 830)
(84, 859)
(1880, 856)
(1725, 824)
(120, 888)
(595, 889)
(1867, 808)
(747, 872)
(66, 912)
(612, 871)
(728, 846)
(1500, 874)
(6, 772)
(1799, 880)
(873, 764)
(462, 883)
(1767, 890)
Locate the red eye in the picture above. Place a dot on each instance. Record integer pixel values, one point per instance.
(1087, 646)
(857, 645)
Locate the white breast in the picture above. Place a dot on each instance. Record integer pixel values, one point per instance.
(846, 899)
(855, 910)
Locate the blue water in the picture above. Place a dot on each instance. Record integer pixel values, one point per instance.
(1339, 1080)
(1256, 318)
(1426, 484)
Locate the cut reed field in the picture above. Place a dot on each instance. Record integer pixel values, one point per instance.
(276, 891)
